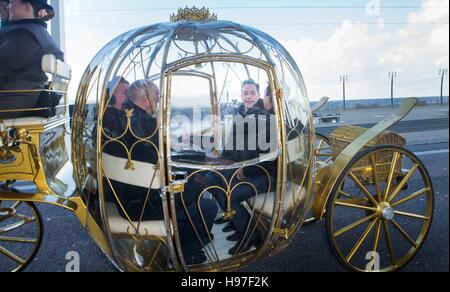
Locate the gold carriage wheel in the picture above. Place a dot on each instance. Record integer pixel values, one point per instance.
(20, 219)
(323, 150)
(380, 206)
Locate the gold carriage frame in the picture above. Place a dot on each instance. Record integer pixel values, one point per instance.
(326, 178)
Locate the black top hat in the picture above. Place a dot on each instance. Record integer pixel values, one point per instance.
(40, 4)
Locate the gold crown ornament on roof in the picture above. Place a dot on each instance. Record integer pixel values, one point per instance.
(193, 14)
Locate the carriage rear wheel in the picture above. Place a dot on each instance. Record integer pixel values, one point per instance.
(374, 223)
(21, 233)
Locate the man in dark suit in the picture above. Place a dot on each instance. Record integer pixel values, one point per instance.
(243, 149)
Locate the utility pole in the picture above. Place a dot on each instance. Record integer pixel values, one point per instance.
(344, 79)
(392, 76)
(442, 73)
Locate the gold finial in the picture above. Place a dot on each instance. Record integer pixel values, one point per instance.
(193, 14)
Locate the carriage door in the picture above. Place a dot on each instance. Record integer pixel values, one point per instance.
(192, 115)
(206, 187)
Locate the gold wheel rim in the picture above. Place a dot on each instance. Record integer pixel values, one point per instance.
(18, 217)
(381, 210)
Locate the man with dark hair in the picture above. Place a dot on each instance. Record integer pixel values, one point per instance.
(268, 101)
(4, 12)
(23, 43)
(246, 235)
(266, 104)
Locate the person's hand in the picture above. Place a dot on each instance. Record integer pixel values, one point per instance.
(240, 175)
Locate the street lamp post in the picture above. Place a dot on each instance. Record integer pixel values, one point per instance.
(392, 76)
(442, 73)
(344, 79)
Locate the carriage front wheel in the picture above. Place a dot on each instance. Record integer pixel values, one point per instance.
(21, 232)
(374, 223)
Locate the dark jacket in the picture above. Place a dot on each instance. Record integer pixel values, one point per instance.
(114, 122)
(23, 43)
(237, 154)
(143, 126)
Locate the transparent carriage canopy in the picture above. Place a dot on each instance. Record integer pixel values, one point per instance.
(192, 172)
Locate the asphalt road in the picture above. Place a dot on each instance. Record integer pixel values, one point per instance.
(308, 252)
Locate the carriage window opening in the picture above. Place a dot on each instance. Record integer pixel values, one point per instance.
(220, 115)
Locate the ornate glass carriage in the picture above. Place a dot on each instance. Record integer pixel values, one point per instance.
(144, 193)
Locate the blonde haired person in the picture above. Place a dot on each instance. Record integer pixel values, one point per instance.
(142, 104)
(145, 95)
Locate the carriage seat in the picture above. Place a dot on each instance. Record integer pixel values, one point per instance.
(114, 169)
(121, 226)
(264, 203)
(22, 122)
(59, 74)
(294, 193)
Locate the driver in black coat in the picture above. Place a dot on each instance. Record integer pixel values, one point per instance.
(23, 43)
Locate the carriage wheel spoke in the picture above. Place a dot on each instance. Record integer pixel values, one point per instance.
(390, 244)
(404, 234)
(323, 148)
(403, 183)
(11, 255)
(16, 205)
(410, 215)
(25, 218)
(355, 206)
(18, 239)
(376, 242)
(411, 197)
(321, 142)
(348, 195)
(354, 225)
(16, 225)
(329, 159)
(376, 178)
(363, 189)
(391, 174)
(361, 241)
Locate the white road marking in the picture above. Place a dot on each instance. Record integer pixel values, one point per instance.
(432, 152)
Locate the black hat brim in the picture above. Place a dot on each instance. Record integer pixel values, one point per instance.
(47, 7)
